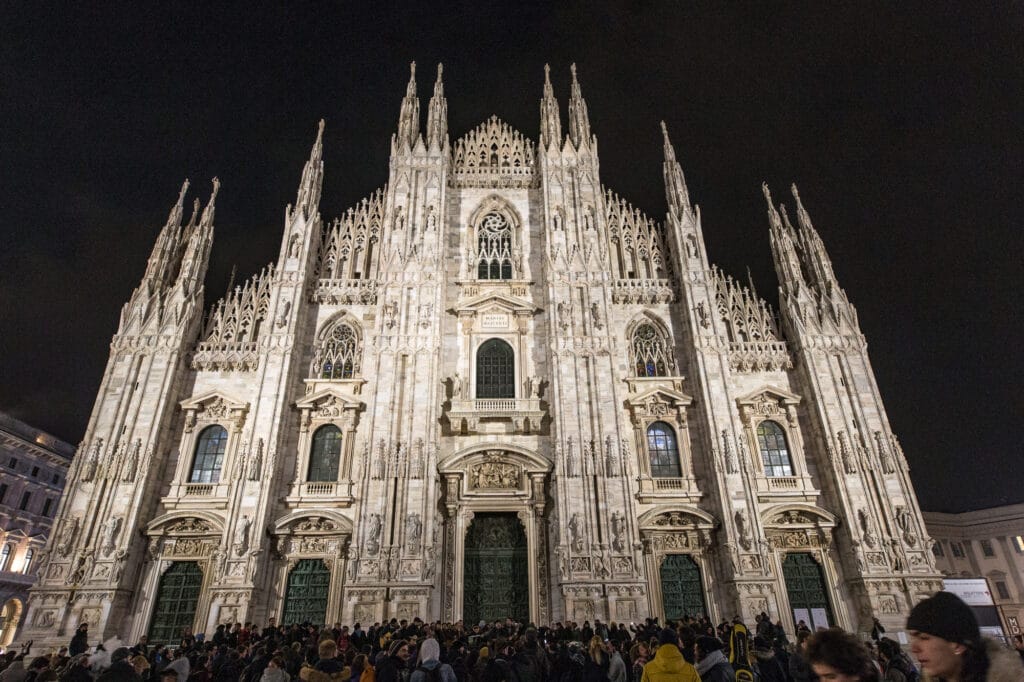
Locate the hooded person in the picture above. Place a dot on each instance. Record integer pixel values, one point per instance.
(769, 668)
(668, 664)
(947, 643)
(712, 663)
(429, 666)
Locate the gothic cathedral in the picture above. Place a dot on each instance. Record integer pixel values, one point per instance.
(491, 388)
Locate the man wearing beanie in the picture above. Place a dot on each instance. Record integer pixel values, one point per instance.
(712, 665)
(946, 641)
(668, 664)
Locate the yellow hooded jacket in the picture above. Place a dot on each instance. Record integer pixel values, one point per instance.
(669, 665)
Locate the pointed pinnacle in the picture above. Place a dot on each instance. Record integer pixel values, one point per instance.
(410, 89)
(181, 194)
(670, 152)
(439, 84)
(208, 211)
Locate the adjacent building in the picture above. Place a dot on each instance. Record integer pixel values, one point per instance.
(988, 544)
(493, 387)
(33, 471)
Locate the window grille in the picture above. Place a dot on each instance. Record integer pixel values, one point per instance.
(494, 248)
(325, 454)
(495, 370)
(650, 356)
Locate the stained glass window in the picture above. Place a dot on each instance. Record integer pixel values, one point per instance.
(495, 370)
(494, 248)
(774, 451)
(338, 358)
(650, 356)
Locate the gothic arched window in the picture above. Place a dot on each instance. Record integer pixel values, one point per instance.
(325, 454)
(209, 456)
(27, 564)
(663, 451)
(494, 248)
(338, 357)
(650, 354)
(774, 450)
(495, 370)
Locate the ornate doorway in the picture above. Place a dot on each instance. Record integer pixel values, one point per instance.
(805, 584)
(176, 600)
(496, 582)
(682, 593)
(306, 598)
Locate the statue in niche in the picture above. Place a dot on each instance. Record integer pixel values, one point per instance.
(906, 524)
(865, 526)
(242, 536)
(373, 528)
(595, 315)
(92, 461)
(456, 386)
(282, 319)
(742, 531)
(67, 536)
(256, 461)
(390, 314)
(576, 532)
(431, 219)
(413, 530)
(109, 537)
(618, 531)
(535, 387)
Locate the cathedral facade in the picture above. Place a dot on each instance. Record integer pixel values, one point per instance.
(492, 388)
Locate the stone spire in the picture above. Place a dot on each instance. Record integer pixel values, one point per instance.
(161, 260)
(579, 121)
(409, 118)
(550, 123)
(197, 251)
(437, 115)
(675, 184)
(308, 199)
(784, 252)
(818, 264)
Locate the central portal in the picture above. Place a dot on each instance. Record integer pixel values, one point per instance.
(497, 583)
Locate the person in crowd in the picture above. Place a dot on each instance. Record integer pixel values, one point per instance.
(668, 664)
(896, 667)
(712, 663)
(616, 666)
(799, 668)
(77, 669)
(947, 643)
(429, 662)
(639, 655)
(275, 672)
(327, 667)
(595, 669)
(121, 668)
(180, 664)
(769, 668)
(392, 667)
(877, 630)
(837, 656)
(80, 641)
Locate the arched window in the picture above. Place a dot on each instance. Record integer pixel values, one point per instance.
(27, 564)
(774, 451)
(209, 456)
(338, 357)
(325, 454)
(650, 357)
(5, 557)
(494, 248)
(663, 451)
(495, 370)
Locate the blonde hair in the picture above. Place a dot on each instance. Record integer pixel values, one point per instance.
(596, 649)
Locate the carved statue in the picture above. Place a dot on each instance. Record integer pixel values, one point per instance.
(865, 526)
(66, 539)
(242, 536)
(92, 461)
(576, 532)
(373, 528)
(906, 524)
(595, 315)
(534, 387)
(413, 530)
(456, 386)
(256, 462)
(742, 530)
(618, 531)
(109, 536)
(132, 463)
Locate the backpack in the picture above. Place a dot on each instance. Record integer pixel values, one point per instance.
(432, 675)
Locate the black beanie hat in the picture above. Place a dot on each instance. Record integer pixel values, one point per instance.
(945, 615)
(709, 644)
(668, 636)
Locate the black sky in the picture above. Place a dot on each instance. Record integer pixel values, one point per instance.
(902, 124)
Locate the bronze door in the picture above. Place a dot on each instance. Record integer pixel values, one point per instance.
(497, 584)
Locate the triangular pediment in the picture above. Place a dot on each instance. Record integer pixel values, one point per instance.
(213, 401)
(769, 393)
(660, 394)
(328, 397)
(496, 302)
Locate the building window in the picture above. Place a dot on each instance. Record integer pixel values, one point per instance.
(3, 491)
(1002, 590)
(957, 549)
(986, 548)
(650, 354)
(13, 463)
(27, 564)
(25, 499)
(494, 248)
(1018, 543)
(495, 370)
(56, 479)
(46, 506)
(338, 357)
(5, 557)
(663, 451)
(325, 454)
(209, 457)
(774, 451)
(35, 472)
(937, 549)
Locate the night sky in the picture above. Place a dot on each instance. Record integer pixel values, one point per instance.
(901, 123)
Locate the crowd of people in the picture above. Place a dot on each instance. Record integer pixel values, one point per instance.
(944, 639)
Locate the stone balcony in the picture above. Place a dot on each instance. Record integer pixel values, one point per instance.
(785, 488)
(653, 489)
(496, 415)
(320, 493)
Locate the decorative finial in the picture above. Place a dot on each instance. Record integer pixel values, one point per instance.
(216, 186)
(767, 193)
(412, 70)
(440, 68)
(547, 73)
(573, 70)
